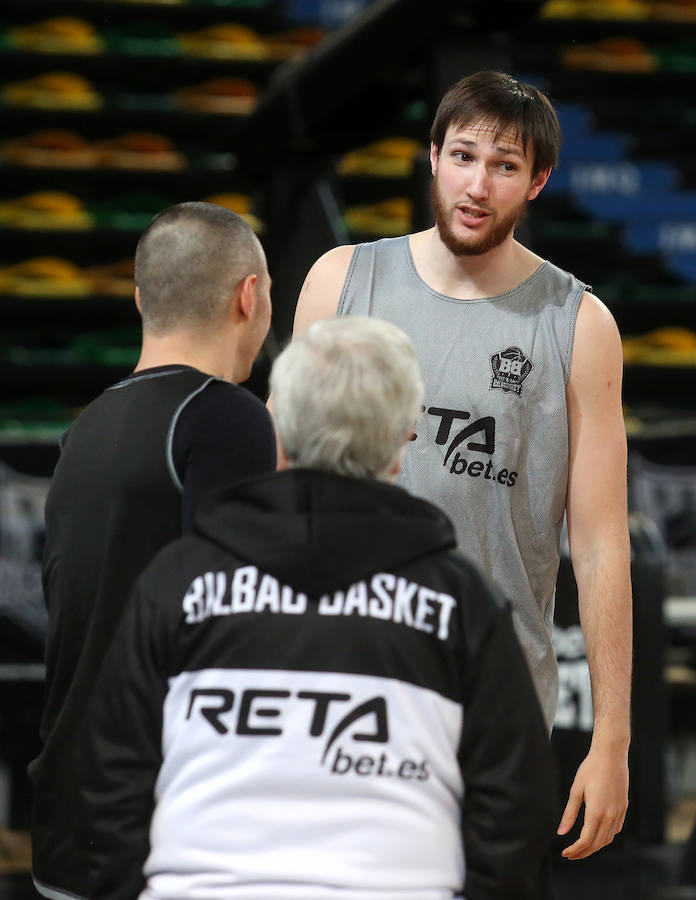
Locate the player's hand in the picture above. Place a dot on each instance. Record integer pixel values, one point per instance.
(601, 783)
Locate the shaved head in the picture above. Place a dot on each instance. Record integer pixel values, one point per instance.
(188, 263)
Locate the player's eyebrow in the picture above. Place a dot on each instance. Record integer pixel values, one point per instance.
(512, 151)
(499, 148)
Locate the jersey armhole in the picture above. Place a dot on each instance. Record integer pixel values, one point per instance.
(342, 307)
(171, 465)
(575, 305)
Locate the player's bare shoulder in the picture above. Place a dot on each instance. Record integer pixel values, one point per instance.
(597, 343)
(594, 320)
(322, 288)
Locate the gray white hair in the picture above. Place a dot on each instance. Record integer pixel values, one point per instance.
(346, 396)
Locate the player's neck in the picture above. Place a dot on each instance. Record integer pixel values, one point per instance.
(184, 349)
(471, 277)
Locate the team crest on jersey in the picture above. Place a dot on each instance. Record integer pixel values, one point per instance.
(510, 368)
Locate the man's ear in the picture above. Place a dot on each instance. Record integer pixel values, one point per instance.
(538, 183)
(138, 300)
(434, 158)
(245, 297)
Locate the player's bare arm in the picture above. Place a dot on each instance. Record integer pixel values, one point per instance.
(322, 288)
(600, 552)
(318, 299)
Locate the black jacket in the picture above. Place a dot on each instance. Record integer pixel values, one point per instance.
(129, 468)
(316, 690)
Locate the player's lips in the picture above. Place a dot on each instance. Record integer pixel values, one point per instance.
(472, 215)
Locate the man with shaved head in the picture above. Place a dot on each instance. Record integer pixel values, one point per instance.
(131, 468)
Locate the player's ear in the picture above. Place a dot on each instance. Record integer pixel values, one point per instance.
(434, 158)
(245, 297)
(538, 182)
(138, 300)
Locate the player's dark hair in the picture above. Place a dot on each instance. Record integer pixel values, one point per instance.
(497, 99)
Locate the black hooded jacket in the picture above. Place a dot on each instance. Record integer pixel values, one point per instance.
(315, 692)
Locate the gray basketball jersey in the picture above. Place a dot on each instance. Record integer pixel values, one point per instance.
(491, 446)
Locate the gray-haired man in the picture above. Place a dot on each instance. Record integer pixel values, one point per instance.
(314, 695)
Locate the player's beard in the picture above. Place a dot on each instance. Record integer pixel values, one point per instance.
(472, 246)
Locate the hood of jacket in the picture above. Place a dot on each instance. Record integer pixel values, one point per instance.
(317, 531)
